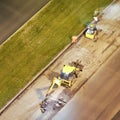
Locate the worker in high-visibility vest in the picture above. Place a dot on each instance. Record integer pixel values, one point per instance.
(67, 71)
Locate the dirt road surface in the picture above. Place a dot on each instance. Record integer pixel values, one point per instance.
(99, 98)
(96, 58)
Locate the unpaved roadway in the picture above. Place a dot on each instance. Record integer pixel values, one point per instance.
(99, 93)
(99, 98)
(14, 13)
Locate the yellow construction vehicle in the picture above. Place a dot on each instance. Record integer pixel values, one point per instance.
(55, 101)
(91, 31)
(67, 76)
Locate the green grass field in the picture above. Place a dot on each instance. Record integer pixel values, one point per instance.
(40, 40)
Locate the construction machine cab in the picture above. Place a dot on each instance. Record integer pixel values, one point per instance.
(68, 74)
(67, 71)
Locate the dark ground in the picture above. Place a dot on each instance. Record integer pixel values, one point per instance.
(14, 13)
